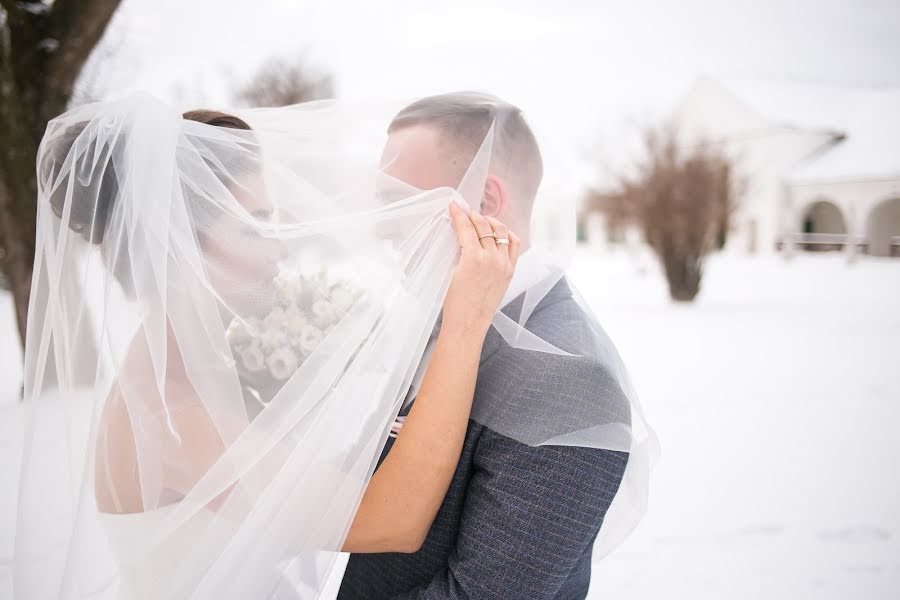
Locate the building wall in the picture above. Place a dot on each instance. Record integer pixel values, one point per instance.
(762, 152)
(871, 209)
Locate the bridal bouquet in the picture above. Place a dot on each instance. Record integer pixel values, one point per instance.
(269, 349)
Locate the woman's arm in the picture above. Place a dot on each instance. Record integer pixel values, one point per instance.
(404, 495)
(406, 491)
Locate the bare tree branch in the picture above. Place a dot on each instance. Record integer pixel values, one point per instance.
(282, 83)
(683, 200)
(16, 11)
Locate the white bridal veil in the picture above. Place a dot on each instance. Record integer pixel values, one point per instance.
(223, 325)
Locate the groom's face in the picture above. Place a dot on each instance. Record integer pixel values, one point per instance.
(415, 155)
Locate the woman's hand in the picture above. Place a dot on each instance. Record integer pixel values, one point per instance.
(483, 273)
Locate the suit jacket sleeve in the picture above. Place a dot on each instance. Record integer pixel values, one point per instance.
(529, 515)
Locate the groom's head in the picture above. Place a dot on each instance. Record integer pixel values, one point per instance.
(433, 140)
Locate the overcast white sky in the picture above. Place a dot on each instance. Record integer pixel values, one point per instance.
(589, 70)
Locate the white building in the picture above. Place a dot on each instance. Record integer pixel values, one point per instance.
(820, 164)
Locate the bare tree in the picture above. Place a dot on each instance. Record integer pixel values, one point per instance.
(43, 48)
(683, 199)
(281, 83)
(619, 215)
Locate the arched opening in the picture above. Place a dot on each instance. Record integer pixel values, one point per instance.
(823, 227)
(883, 229)
(823, 217)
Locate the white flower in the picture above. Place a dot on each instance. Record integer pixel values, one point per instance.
(282, 363)
(275, 319)
(342, 297)
(238, 333)
(272, 339)
(326, 313)
(294, 320)
(254, 325)
(253, 358)
(288, 287)
(310, 338)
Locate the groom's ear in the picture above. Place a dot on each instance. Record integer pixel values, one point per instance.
(494, 200)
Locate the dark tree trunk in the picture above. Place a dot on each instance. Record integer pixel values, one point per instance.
(683, 274)
(43, 48)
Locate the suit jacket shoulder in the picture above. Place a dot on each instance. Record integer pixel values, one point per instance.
(536, 396)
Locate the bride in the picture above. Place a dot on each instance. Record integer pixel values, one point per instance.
(245, 362)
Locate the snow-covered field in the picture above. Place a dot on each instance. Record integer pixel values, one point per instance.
(10, 435)
(776, 397)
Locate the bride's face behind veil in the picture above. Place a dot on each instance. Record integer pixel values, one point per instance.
(240, 259)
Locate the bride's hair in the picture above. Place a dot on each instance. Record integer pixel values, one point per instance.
(463, 119)
(94, 198)
(86, 216)
(216, 119)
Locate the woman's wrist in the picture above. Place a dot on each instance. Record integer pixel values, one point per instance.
(464, 331)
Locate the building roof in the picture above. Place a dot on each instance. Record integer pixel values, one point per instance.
(865, 121)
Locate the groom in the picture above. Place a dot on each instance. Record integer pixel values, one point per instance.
(518, 521)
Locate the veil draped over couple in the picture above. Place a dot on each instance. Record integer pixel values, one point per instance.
(258, 339)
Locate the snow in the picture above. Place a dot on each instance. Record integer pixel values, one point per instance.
(776, 397)
(10, 435)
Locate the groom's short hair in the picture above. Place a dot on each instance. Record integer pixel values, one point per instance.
(463, 119)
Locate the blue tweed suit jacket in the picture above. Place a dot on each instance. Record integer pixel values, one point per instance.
(518, 521)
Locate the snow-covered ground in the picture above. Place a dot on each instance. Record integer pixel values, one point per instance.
(776, 397)
(10, 435)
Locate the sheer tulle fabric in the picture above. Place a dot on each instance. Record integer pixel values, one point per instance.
(223, 326)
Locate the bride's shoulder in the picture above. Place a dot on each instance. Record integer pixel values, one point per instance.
(137, 374)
